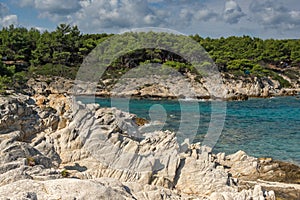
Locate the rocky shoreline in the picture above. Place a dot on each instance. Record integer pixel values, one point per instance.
(155, 88)
(54, 148)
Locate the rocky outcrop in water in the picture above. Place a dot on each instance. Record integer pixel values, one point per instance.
(53, 148)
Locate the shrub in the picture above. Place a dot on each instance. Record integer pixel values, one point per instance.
(65, 173)
(54, 70)
(30, 161)
(5, 82)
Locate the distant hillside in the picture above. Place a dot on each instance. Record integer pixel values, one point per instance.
(26, 53)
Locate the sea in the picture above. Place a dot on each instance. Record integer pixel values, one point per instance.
(261, 127)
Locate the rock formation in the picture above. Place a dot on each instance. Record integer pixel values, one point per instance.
(166, 87)
(52, 147)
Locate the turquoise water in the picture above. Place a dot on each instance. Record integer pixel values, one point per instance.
(260, 127)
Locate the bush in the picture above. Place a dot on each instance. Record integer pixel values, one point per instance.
(282, 81)
(30, 161)
(5, 82)
(243, 64)
(179, 66)
(54, 70)
(20, 77)
(65, 173)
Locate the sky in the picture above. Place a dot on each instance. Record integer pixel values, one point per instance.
(209, 18)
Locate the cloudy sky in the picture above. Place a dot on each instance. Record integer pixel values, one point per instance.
(213, 18)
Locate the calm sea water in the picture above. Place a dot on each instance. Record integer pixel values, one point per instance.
(260, 127)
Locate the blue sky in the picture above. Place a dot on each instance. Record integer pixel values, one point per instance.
(212, 18)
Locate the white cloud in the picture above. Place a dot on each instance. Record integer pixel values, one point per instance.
(57, 11)
(24, 3)
(273, 14)
(150, 19)
(109, 15)
(53, 6)
(232, 12)
(7, 19)
(106, 14)
(61, 7)
(118, 14)
(184, 15)
(206, 15)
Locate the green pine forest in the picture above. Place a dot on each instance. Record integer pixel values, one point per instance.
(28, 52)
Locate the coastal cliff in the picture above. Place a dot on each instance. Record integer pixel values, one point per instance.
(55, 148)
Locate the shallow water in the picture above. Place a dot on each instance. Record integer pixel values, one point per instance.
(260, 127)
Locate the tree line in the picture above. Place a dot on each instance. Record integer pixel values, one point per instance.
(281, 53)
(62, 51)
